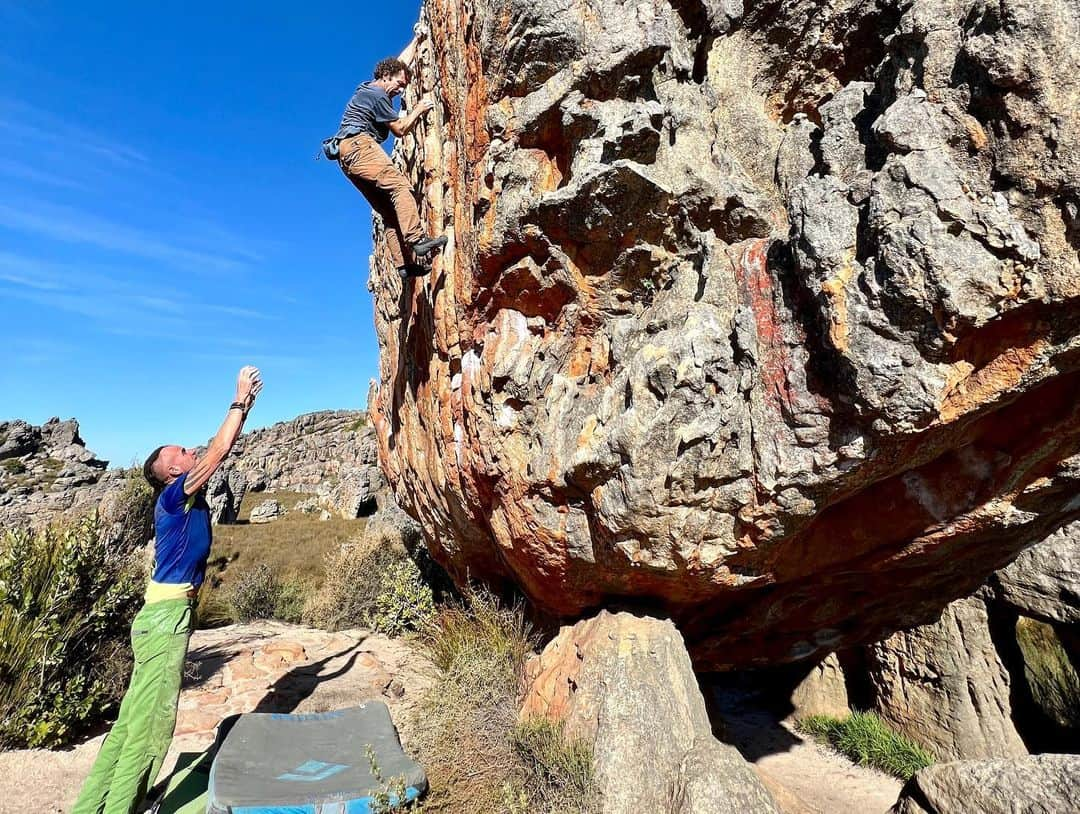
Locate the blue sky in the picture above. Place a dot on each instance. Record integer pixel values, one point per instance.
(163, 222)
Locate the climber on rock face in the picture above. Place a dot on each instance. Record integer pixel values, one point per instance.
(369, 118)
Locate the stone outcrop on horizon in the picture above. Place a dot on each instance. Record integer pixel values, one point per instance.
(46, 471)
(764, 316)
(330, 454)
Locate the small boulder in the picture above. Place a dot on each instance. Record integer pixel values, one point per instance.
(1043, 784)
(267, 511)
(625, 684)
(823, 691)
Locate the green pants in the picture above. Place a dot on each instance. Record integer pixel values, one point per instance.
(134, 749)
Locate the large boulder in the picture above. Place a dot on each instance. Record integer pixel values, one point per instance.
(944, 686)
(1039, 784)
(798, 380)
(618, 681)
(1044, 581)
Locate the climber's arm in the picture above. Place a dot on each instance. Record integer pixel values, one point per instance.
(409, 53)
(248, 385)
(404, 125)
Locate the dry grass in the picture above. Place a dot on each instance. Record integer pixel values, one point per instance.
(293, 548)
(478, 757)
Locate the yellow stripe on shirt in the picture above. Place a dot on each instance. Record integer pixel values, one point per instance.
(161, 591)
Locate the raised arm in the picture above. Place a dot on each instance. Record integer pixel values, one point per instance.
(409, 54)
(248, 385)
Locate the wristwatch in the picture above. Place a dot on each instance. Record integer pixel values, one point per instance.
(238, 405)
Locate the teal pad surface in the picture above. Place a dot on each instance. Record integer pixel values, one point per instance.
(310, 764)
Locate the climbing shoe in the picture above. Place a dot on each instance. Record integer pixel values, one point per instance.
(422, 248)
(412, 270)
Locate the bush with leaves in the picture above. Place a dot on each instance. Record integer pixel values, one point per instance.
(258, 593)
(67, 598)
(372, 582)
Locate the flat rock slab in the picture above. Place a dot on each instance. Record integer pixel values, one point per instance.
(263, 666)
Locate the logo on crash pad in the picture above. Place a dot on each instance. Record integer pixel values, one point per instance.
(312, 772)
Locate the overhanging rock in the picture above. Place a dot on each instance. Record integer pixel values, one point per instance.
(763, 316)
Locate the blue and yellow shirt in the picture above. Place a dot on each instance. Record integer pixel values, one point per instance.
(182, 526)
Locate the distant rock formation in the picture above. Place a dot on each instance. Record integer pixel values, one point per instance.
(331, 454)
(766, 316)
(47, 472)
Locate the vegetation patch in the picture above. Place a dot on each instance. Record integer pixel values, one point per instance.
(67, 598)
(359, 424)
(477, 755)
(371, 581)
(258, 593)
(294, 549)
(13, 466)
(867, 740)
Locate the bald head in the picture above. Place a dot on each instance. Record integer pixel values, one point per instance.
(165, 464)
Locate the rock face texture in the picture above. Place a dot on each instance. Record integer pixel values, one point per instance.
(1040, 784)
(625, 684)
(330, 454)
(944, 685)
(1044, 581)
(47, 471)
(764, 315)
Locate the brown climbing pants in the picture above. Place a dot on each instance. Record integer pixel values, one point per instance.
(368, 166)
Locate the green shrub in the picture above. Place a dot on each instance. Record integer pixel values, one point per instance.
(13, 466)
(359, 424)
(558, 771)
(67, 597)
(293, 594)
(258, 593)
(478, 757)
(372, 582)
(404, 603)
(866, 739)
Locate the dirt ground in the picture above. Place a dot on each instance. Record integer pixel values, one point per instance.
(805, 777)
(270, 666)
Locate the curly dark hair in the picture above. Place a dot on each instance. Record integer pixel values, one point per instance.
(390, 66)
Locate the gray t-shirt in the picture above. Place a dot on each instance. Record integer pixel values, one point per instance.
(370, 111)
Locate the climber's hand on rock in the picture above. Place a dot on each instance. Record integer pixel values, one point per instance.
(424, 105)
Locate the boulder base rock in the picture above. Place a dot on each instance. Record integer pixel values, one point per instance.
(823, 691)
(1039, 784)
(1044, 581)
(944, 686)
(798, 381)
(625, 684)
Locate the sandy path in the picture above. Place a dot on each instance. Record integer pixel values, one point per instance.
(806, 778)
